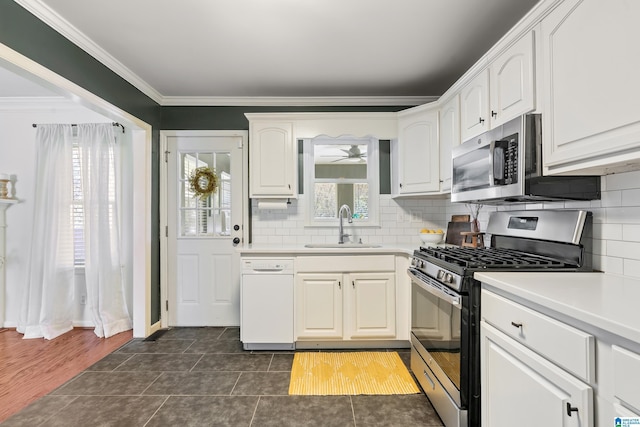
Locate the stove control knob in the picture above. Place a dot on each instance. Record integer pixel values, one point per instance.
(448, 278)
(414, 262)
(420, 264)
(440, 274)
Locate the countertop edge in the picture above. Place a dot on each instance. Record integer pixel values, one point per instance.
(555, 305)
(301, 250)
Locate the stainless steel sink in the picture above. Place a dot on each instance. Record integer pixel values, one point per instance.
(341, 245)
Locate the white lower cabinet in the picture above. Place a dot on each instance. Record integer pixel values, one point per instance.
(521, 388)
(522, 381)
(318, 306)
(345, 305)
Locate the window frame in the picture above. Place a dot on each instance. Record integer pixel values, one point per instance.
(373, 181)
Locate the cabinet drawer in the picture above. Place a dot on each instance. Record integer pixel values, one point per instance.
(566, 346)
(626, 376)
(352, 264)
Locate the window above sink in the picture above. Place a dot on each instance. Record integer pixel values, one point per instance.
(341, 170)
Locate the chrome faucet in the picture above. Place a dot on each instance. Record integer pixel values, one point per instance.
(341, 233)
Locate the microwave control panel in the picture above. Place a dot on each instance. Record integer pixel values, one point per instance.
(505, 165)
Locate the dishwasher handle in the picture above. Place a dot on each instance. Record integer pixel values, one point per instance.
(274, 269)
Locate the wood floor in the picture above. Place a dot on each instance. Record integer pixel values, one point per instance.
(29, 369)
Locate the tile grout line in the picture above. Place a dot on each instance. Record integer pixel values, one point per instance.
(253, 416)
(235, 384)
(58, 411)
(196, 364)
(353, 411)
(156, 411)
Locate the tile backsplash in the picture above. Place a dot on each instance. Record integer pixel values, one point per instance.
(616, 223)
(400, 222)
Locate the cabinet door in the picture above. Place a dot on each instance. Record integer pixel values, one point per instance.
(590, 85)
(272, 158)
(318, 306)
(449, 138)
(418, 168)
(370, 305)
(521, 388)
(474, 107)
(511, 83)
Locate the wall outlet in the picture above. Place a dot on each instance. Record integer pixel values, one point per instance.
(83, 299)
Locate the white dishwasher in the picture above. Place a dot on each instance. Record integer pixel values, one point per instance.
(266, 304)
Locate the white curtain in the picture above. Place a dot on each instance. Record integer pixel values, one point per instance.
(47, 304)
(100, 165)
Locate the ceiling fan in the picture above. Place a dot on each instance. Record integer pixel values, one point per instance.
(353, 154)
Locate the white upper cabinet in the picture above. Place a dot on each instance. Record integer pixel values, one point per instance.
(502, 92)
(511, 82)
(449, 138)
(418, 151)
(590, 87)
(474, 106)
(272, 160)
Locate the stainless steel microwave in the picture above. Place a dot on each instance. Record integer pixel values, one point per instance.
(505, 165)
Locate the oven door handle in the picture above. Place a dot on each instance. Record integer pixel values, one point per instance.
(436, 289)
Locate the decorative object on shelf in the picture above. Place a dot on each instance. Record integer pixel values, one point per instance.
(4, 188)
(203, 182)
(474, 208)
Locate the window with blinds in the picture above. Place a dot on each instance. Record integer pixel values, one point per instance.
(77, 207)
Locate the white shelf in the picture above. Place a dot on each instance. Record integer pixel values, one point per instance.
(8, 201)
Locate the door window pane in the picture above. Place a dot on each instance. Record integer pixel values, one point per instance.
(208, 216)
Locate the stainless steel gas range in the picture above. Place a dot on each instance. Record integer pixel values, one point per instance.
(445, 306)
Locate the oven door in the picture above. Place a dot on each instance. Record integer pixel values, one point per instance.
(436, 322)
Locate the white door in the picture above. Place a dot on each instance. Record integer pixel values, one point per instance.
(474, 107)
(418, 150)
(371, 305)
(203, 268)
(318, 306)
(521, 388)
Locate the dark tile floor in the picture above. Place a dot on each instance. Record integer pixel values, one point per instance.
(203, 377)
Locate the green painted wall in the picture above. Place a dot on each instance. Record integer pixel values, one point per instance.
(232, 118)
(26, 34)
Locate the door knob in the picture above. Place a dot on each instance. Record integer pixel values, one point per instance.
(236, 240)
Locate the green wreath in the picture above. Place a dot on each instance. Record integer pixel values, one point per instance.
(203, 182)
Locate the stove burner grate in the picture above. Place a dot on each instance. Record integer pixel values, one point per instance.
(491, 258)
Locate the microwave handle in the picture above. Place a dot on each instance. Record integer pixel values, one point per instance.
(497, 156)
(492, 159)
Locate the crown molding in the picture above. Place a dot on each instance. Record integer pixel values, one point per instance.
(311, 101)
(55, 21)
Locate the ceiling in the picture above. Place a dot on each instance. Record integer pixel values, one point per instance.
(194, 52)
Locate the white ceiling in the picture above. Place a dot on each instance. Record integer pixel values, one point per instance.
(194, 51)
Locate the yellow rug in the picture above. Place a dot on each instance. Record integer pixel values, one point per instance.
(323, 374)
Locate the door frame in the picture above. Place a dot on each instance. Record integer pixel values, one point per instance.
(142, 177)
(164, 206)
